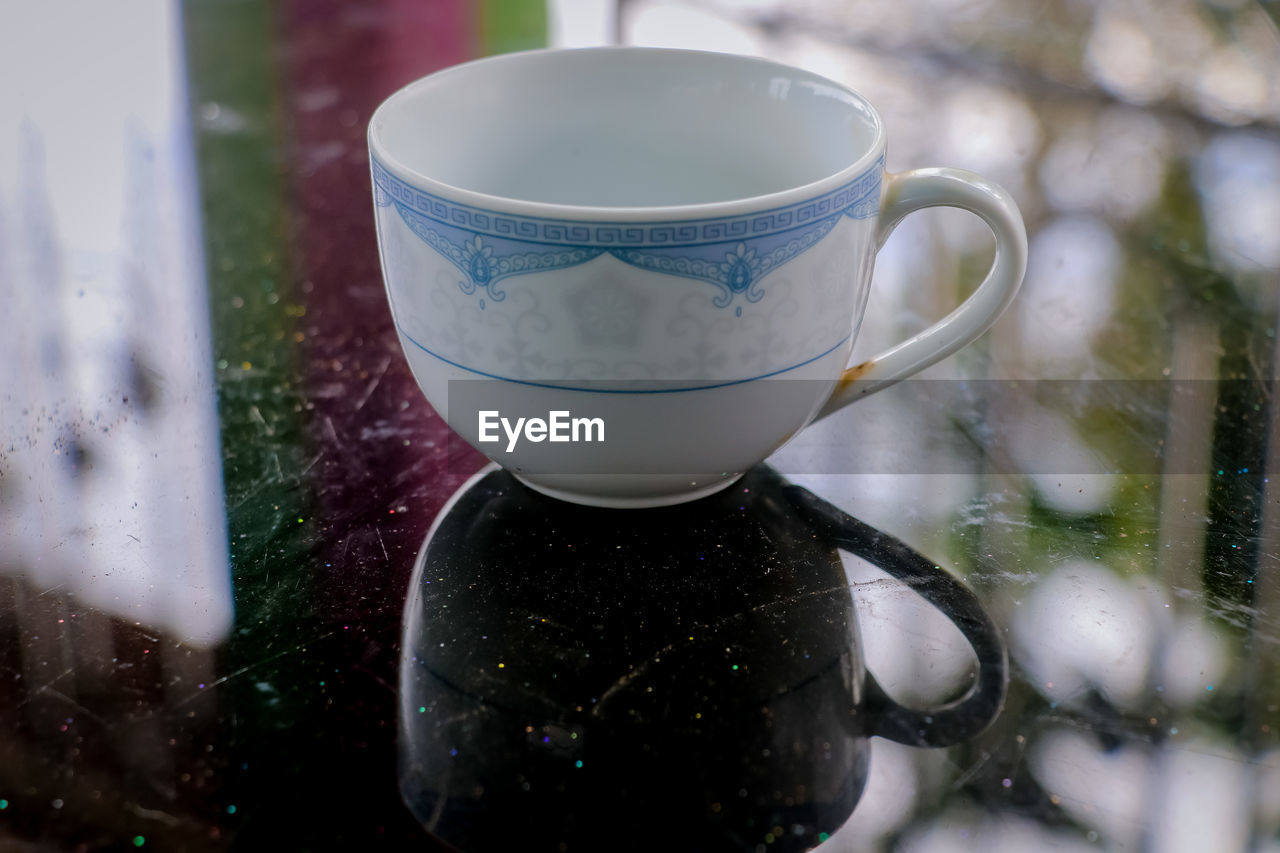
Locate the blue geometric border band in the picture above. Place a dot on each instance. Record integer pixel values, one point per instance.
(859, 198)
(732, 253)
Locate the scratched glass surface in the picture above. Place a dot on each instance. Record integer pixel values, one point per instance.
(216, 470)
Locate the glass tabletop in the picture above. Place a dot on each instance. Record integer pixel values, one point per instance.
(254, 593)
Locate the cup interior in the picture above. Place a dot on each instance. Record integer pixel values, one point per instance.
(625, 127)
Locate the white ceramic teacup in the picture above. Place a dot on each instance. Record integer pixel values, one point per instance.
(675, 244)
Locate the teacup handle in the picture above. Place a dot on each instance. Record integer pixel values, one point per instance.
(946, 724)
(907, 192)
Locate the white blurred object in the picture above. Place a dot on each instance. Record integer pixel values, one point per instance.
(1191, 794)
(581, 23)
(1232, 86)
(1060, 463)
(1194, 659)
(1268, 804)
(918, 655)
(1237, 175)
(657, 24)
(961, 831)
(1069, 294)
(1104, 790)
(991, 130)
(1201, 798)
(110, 452)
(1084, 626)
(1122, 58)
(1112, 166)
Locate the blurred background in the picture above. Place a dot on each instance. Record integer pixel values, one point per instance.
(215, 469)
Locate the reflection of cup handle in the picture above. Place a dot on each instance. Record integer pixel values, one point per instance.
(958, 720)
(906, 192)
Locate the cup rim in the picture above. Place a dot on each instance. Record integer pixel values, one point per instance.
(549, 210)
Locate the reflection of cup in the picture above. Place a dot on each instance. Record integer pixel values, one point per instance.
(652, 237)
(671, 679)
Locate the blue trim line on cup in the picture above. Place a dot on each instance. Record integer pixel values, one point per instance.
(726, 384)
(733, 253)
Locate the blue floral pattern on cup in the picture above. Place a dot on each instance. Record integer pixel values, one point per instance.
(732, 253)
